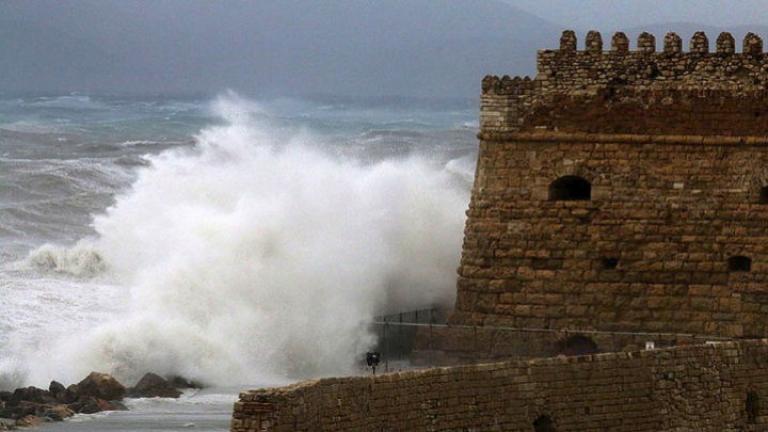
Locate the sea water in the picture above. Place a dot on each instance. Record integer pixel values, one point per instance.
(234, 242)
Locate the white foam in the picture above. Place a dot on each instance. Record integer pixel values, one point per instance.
(251, 258)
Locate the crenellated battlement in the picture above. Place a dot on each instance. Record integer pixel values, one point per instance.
(752, 44)
(669, 85)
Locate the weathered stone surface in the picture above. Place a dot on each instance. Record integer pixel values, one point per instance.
(31, 394)
(100, 386)
(57, 412)
(646, 92)
(57, 389)
(90, 405)
(29, 421)
(7, 424)
(29, 405)
(153, 385)
(674, 148)
(701, 388)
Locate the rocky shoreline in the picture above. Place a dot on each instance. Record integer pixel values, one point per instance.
(31, 406)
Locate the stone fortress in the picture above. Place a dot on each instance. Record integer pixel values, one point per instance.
(618, 191)
(623, 190)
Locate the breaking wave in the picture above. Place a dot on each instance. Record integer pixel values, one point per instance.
(80, 260)
(254, 257)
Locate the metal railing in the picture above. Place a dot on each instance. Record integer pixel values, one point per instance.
(424, 338)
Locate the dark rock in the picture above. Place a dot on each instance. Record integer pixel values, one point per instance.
(57, 389)
(182, 383)
(7, 424)
(57, 412)
(117, 406)
(30, 394)
(100, 386)
(20, 409)
(90, 405)
(29, 421)
(153, 385)
(5, 396)
(71, 394)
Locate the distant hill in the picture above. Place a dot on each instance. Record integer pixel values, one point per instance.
(421, 48)
(686, 30)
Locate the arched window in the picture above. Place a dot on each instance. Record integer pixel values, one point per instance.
(570, 188)
(543, 424)
(763, 199)
(609, 263)
(739, 263)
(752, 406)
(577, 345)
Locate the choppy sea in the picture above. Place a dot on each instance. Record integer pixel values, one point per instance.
(236, 242)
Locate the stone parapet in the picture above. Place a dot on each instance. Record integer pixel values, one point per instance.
(708, 388)
(624, 91)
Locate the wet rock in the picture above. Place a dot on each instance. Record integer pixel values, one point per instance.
(20, 409)
(153, 385)
(182, 383)
(30, 394)
(57, 390)
(7, 424)
(57, 412)
(117, 406)
(100, 386)
(29, 421)
(71, 394)
(91, 405)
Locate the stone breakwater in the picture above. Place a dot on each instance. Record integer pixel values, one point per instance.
(710, 388)
(31, 406)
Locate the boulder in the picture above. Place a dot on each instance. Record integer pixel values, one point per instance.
(90, 405)
(182, 383)
(57, 390)
(30, 394)
(29, 421)
(153, 385)
(7, 424)
(100, 386)
(57, 412)
(70, 395)
(21, 409)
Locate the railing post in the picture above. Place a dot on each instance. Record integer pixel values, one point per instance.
(401, 349)
(386, 346)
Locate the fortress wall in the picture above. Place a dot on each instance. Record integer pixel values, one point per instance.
(670, 210)
(634, 111)
(455, 345)
(698, 91)
(703, 388)
(569, 69)
(504, 101)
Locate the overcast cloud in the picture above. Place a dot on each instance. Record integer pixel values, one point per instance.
(352, 48)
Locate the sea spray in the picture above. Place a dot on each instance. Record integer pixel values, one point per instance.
(258, 257)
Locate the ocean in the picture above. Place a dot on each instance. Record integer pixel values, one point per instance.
(236, 242)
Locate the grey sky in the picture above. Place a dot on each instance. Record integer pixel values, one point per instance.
(621, 14)
(356, 48)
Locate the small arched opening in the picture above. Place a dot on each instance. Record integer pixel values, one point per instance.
(609, 263)
(739, 263)
(570, 188)
(763, 198)
(752, 407)
(577, 345)
(544, 423)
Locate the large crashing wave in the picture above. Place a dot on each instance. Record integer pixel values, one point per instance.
(255, 257)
